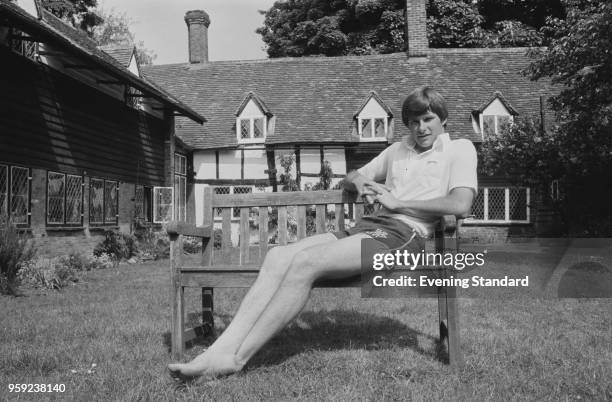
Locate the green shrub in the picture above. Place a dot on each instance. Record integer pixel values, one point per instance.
(157, 247)
(14, 251)
(102, 262)
(117, 245)
(192, 245)
(76, 261)
(47, 273)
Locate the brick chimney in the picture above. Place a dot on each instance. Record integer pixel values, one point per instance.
(197, 27)
(416, 28)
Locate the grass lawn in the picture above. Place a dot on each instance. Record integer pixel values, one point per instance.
(342, 347)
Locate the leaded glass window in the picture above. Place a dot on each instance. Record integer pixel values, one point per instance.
(110, 201)
(96, 201)
(56, 188)
(20, 195)
(4, 193)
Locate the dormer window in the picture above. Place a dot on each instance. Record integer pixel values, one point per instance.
(493, 116)
(252, 120)
(373, 119)
(252, 128)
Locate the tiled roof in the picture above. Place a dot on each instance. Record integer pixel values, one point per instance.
(54, 30)
(314, 99)
(123, 54)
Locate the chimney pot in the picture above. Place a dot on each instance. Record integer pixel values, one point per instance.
(197, 22)
(416, 28)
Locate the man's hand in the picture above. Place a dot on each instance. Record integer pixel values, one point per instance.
(386, 199)
(365, 187)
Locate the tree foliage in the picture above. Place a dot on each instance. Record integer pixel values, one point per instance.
(79, 13)
(354, 27)
(577, 150)
(115, 30)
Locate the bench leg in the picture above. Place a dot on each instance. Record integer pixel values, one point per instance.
(178, 322)
(208, 322)
(449, 324)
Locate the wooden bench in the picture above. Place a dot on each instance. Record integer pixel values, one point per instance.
(217, 270)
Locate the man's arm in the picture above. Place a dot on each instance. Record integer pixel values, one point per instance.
(458, 202)
(363, 186)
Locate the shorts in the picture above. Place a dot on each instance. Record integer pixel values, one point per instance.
(391, 232)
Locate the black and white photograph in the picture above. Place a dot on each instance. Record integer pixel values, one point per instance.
(320, 200)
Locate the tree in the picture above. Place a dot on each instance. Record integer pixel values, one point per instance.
(80, 14)
(578, 150)
(355, 27)
(115, 30)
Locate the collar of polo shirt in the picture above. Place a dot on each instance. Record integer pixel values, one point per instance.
(438, 144)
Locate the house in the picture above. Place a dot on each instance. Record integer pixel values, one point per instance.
(346, 110)
(86, 143)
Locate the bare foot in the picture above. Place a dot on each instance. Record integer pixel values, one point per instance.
(205, 366)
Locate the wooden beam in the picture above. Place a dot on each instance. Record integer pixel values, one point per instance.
(48, 53)
(24, 37)
(138, 96)
(112, 82)
(80, 67)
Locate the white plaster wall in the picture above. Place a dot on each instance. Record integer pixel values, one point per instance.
(337, 158)
(133, 67)
(229, 164)
(255, 164)
(372, 109)
(204, 163)
(251, 110)
(199, 197)
(496, 108)
(310, 160)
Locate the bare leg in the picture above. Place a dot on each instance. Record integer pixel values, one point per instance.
(340, 258)
(272, 273)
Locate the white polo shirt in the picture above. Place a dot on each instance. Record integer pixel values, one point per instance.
(431, 174)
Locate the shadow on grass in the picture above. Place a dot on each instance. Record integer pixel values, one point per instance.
(334, 330)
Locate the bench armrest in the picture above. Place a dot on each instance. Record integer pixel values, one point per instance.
(449, 224)
(176, 228)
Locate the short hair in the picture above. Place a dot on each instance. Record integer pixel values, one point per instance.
(422, 100)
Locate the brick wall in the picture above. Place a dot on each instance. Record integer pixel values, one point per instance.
(416, 27)
(56, 241)
(197, 27)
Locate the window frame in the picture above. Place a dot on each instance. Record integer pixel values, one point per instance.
(65, 222)
(373, 119)
(146, 203)
(158, 190)
(26, 48)
(507, 218)
(251, 119)
(180, 187)
(8, 212)
(496, 122)
(105, 221)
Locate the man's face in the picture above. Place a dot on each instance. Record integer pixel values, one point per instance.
(425, 129)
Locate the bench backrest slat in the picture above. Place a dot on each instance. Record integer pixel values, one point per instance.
(339, 213)
(226, 234)
(208, 245)
(301, 222)
(244, 235)
(263, 233)
(283, 236)
(321, 211)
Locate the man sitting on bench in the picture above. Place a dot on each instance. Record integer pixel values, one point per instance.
(426, 176)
